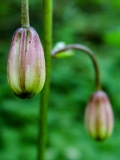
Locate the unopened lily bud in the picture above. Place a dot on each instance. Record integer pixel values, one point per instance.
(99, 116)
(26, 64)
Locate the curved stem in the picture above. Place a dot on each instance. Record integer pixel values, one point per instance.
(88, 52)
(47, 42)
(25, 14)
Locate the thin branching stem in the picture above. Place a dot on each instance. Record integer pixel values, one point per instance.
(25, 13)
(89, 53)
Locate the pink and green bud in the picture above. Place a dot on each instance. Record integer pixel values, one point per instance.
(99, 119)
(26, 63)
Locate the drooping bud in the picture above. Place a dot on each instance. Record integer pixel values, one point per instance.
(26, 64)
(99, 116)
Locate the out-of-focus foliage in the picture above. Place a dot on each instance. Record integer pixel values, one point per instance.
(94, 23)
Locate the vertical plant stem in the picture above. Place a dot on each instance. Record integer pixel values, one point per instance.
(47, 42)
(25, 14)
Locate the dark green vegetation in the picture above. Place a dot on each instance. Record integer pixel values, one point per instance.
(93, 23)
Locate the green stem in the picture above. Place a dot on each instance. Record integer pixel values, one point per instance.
(47, 42)
(88, 52)
(25, 14)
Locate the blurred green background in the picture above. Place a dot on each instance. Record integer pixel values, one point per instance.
(94, 23)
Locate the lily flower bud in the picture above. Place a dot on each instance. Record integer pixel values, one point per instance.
(26, 63)
(99, 116)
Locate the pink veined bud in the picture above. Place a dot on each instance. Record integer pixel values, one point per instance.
(26, 63)
(99, 119)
